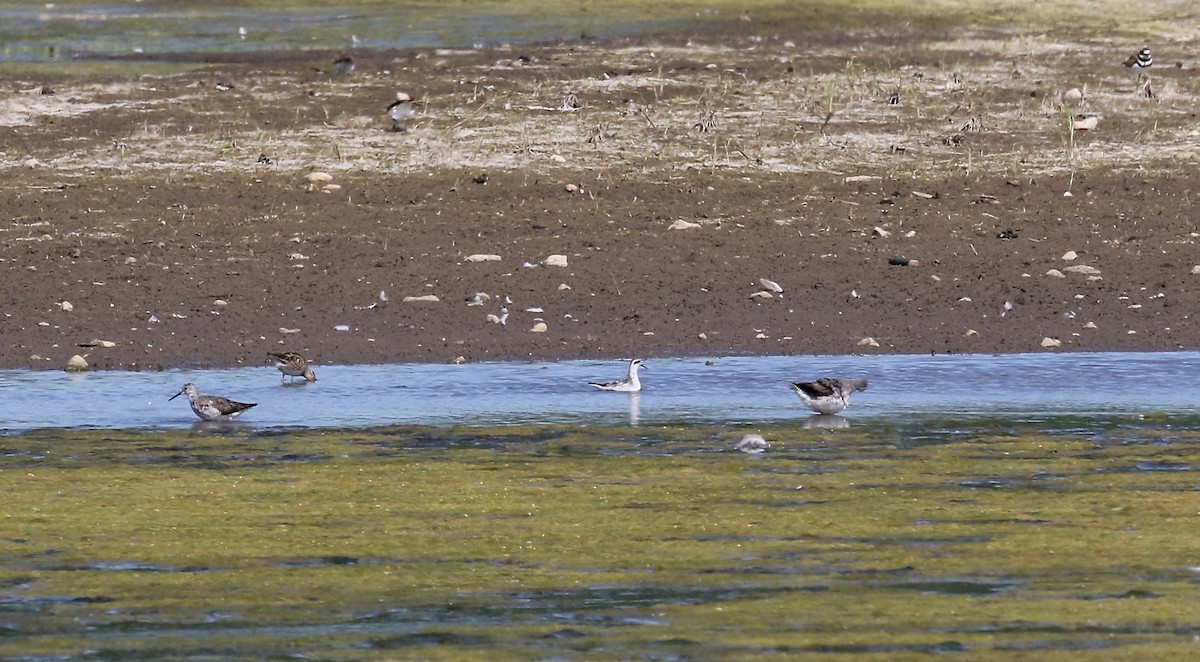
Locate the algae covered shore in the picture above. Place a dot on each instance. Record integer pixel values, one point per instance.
(614, 543)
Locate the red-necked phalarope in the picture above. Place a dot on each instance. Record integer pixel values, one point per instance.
(211, 407)
(828, 395)
(292, 365)
(630, 384)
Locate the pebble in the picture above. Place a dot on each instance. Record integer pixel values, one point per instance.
(1086, 123)
(286, 331)
(1070, 255)
(683, 225)
(77, 364)
(881, 232)
(482, 257)
(1196, 269)
(540, 327)
(318, 177)
(66, 306)
(342, 327)
(1051, 342)
(220, 302)
(1090, 325)
(971, 332)
(770, 285)
(752, 443)
(563, 286)
(1072, 96)
(555, 261)
(1055, 273)
(1085, 269)
(104, 343)
(431, 298)
(868, 342)
(762, 294)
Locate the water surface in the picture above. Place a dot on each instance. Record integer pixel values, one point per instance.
(733, 390)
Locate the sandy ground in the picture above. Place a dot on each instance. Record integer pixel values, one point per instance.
(162, 220)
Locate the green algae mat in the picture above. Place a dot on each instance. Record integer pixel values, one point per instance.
(995, 541)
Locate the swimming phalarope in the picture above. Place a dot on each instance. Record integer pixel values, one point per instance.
(400, 110)
(292, 365)
(211, 407)
(630, 384)
(828, 395)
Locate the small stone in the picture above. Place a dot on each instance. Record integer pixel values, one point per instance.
(342, 327)
(1090, 325)
(1085, 269)
(66, 306)
(1069, 256)
(572, 188)
(131, 260)
(318, 177)
(563, 286)
(103, 343)
(286, 331)
(220, 302)
(752, 443)
(971, 332)
(868, 342)
(331, 187)
(31, 163)
(555, 261)
(430, 298)
(1072, 96)
(1055, 273)
(77, 364)
(881, 232)
(1085, 123)
(762, 294)
(1051, 342)
(770, 285)
(702, 336)
(540, 327)
(459, 360)
(683, 225)
(1196, 269)
(482, 257)
(761, 336)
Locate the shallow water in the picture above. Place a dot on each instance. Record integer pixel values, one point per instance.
(39, 32)
(734, 390)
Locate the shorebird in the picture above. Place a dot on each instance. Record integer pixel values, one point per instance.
(630, 384)
(211, 407)
(292, 365)
(343, 64)
(400, 110)
(828, 395)
(1140, 60)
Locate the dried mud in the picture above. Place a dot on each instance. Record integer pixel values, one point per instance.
(172, 211)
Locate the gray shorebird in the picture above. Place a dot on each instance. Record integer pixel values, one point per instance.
(343, 64)
(828, 395)
(211, 407)
(400, 110)
(292, 365)
(630, 384)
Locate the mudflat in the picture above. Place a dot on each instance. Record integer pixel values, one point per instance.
(758, 189)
